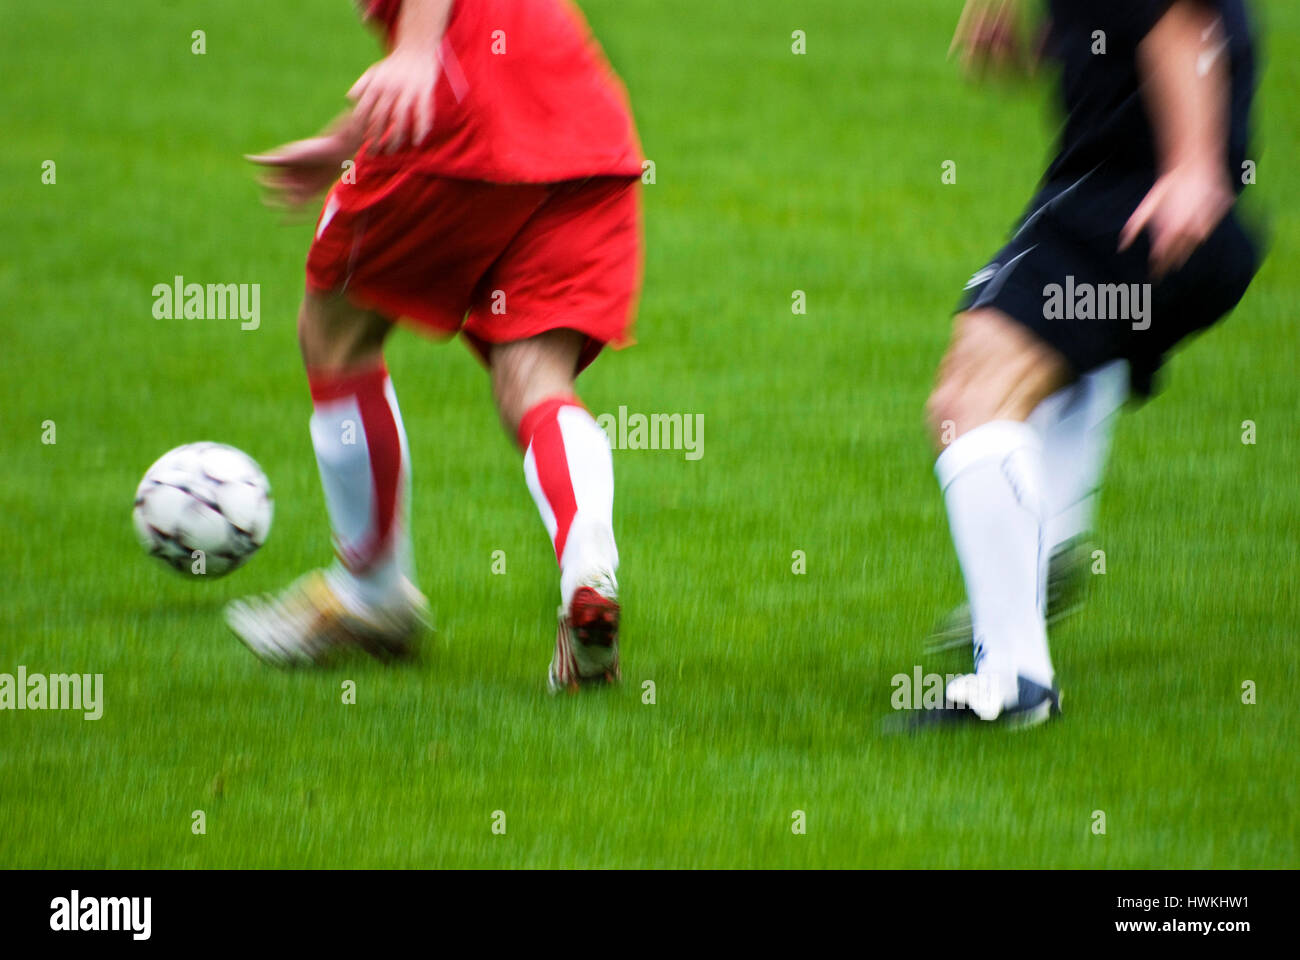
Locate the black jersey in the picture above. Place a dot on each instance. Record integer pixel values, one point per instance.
(1106, 118)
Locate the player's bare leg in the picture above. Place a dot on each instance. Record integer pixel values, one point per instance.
(367, 599)
(993, 376)
(570, 473)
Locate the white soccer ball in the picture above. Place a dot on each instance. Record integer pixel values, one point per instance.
(203, 509)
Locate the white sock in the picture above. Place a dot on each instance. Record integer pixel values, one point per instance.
(991, 479)
(570, 473)
(360, 443)
(1077, 424)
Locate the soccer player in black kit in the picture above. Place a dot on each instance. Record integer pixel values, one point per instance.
(1131, 244)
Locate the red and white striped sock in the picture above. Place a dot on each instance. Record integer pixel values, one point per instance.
(570, 473)
(361, 450)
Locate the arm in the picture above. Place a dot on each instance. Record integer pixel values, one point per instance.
(991, 33)
(386, 97)
(297, 172)
(1184, 74)
(402, 84)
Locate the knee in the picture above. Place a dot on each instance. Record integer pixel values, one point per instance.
(994, 370)
(998, 391)
(938, 410)
(511, 414)
(515, 396)
(334, 335)
(953, 409)
(510, 382)
(310, 335)
(321, 339)
(526, 372)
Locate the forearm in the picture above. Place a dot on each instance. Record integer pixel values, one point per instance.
(421, 24)
(1184, 74)
(346, 129)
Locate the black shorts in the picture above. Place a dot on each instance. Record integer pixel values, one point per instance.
(1063, 277)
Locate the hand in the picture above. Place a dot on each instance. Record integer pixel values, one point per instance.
(989, 34)
(300, 171)
(394, 90)
(1179, 214)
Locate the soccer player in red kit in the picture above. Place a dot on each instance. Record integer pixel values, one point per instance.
(494, 192)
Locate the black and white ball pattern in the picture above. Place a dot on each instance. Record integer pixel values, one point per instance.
(203, 509)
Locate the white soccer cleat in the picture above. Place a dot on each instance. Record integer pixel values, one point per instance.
(586, 638)
(981, 693)
(1016, 701)
(307, 623)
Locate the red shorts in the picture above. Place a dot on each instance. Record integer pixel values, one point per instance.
(501, 262)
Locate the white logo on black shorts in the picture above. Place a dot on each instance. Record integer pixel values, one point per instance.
(983, 276)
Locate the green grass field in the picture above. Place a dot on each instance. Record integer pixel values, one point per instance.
(775, 173)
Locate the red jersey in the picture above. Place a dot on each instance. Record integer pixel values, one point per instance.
(524, 95)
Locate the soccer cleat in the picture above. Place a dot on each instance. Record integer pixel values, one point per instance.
(974, 694)
(307, 623)
(586, 638)
(1065, 583)
(969, 700)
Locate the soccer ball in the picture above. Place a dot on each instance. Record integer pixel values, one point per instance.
(203, 509)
